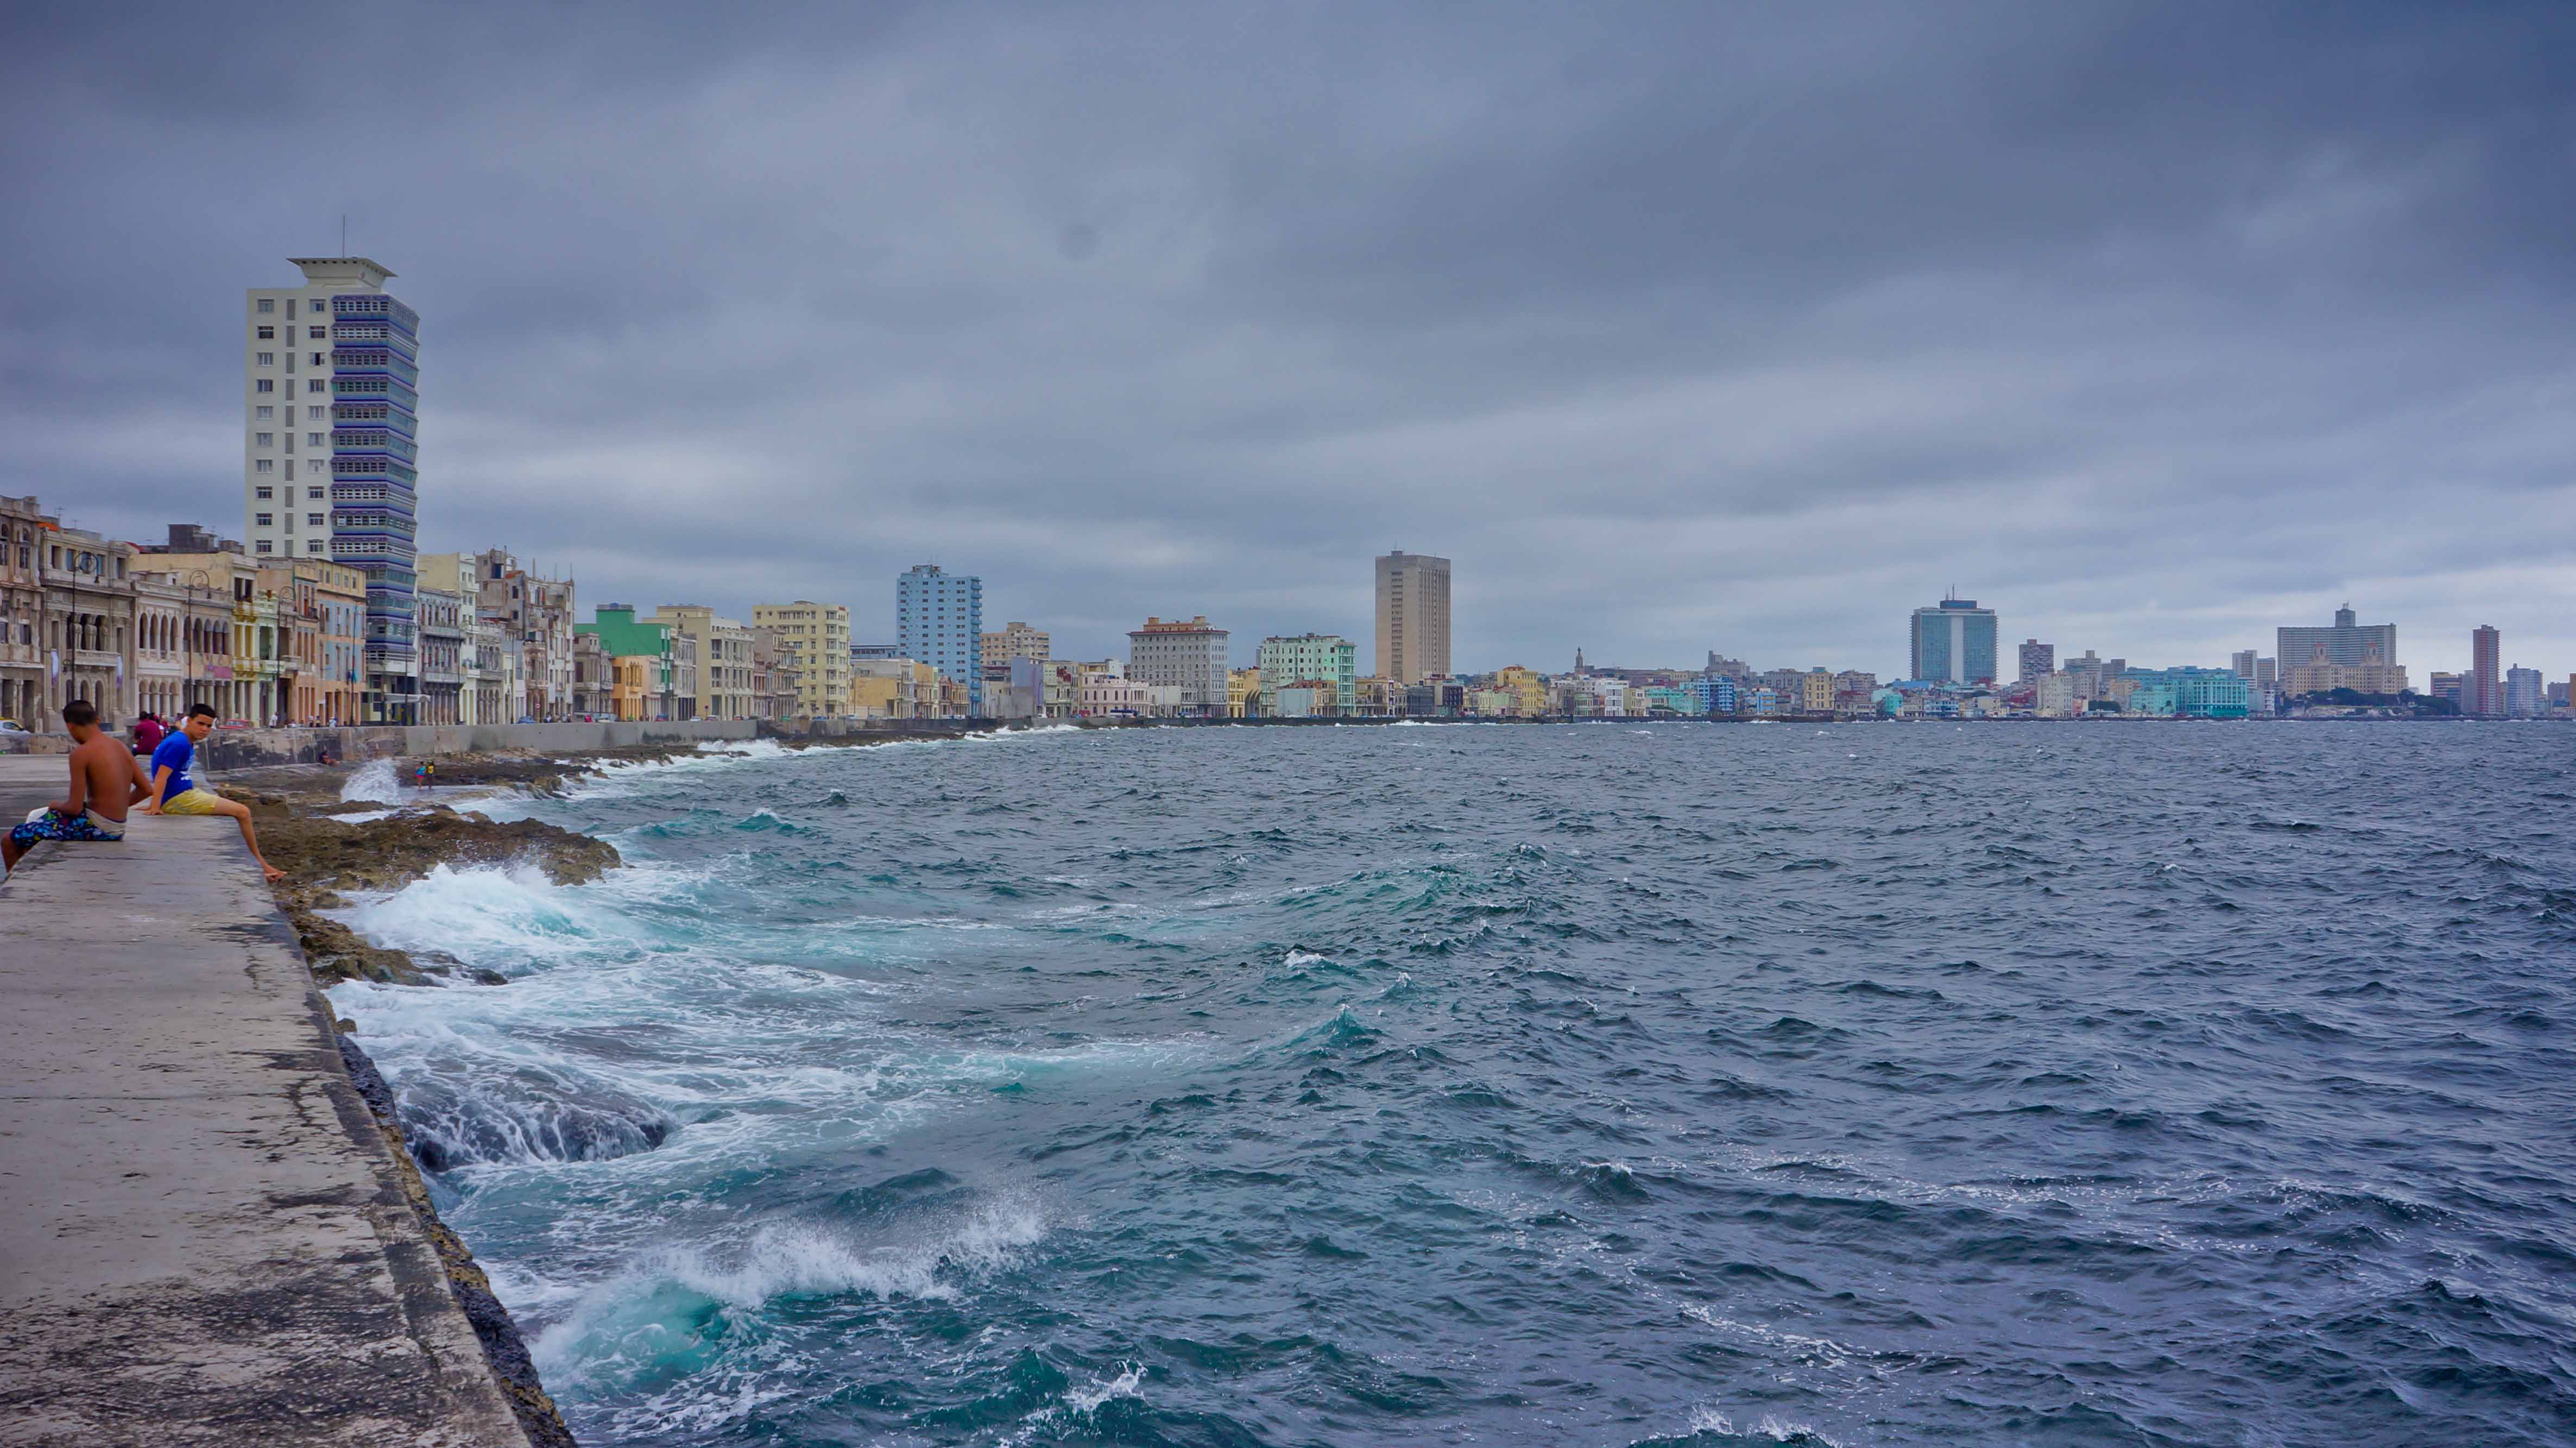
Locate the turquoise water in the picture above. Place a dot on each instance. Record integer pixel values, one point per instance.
(1584, 1085)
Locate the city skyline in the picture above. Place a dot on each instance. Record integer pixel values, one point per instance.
(1580, 329)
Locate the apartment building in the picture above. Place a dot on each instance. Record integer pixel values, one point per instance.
(814, 638)
(330, 455)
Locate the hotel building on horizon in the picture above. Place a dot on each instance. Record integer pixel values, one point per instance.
(1189, 657)
(1412, 617)
(1953, 642)
(2349, 654)
(330, 449)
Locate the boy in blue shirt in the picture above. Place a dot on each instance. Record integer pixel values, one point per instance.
(173, 793)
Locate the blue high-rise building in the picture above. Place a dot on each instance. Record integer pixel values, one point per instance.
(939, 621)
(375, 427)
(1954, 643)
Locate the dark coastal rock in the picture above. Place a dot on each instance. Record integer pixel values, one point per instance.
(503, 1346)
(322, 857)
(531, 1115)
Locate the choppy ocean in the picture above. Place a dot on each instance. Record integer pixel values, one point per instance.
(1589, 1085)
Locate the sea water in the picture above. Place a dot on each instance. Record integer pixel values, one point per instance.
(1517, 1085)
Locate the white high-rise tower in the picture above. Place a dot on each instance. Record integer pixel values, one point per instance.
(330, 452)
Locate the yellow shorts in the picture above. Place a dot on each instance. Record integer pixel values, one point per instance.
(193, 802)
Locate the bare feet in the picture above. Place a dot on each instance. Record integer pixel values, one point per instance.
(273, 873)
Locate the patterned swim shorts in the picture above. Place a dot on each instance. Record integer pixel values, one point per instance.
(53, 824)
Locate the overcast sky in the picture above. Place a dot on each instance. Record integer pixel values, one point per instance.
(1678, 328)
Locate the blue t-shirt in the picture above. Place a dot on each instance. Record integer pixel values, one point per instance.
(173, 754)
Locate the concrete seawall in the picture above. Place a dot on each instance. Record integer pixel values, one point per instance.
(254, 748)
(204, 1236)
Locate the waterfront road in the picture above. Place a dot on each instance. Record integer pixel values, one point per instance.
(30, 781)
(203, 1237)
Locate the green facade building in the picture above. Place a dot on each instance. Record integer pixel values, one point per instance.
(1325, 658)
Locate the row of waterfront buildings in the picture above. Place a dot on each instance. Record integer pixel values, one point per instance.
(2343, 665)
(283, 640)
(327, 612)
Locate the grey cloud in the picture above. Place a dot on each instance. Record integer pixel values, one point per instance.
(1678, 328)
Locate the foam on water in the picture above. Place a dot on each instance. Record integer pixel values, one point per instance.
(1539, 1086)
(378, 781)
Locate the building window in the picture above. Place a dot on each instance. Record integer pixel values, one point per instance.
(317, 359)
(312, 520)
(313, 439)
(263, 414)
(316, 334)
(267, 359)
(263, 545)
(264, 466)
(268, 334)
(263, 494)
(313, 386)
(264, 439)
(314, 546)
(313, 493)
(264, 385)
(267, 305)
(265, 520)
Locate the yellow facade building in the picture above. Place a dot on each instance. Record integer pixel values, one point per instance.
(815, 637)
(1527, 688)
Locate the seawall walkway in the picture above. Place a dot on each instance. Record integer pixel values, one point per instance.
(204, 1238)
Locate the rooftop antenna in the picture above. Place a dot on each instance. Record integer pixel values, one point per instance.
(344, 233)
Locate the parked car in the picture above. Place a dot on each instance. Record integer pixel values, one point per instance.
(11, 726)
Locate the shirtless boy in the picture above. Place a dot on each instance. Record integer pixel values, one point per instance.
(174, 793)
(104, 783)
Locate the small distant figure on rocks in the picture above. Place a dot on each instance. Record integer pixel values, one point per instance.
(173, 793)
(424, 774)
(105, 784)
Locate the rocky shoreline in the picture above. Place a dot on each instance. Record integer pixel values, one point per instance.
(322, 856)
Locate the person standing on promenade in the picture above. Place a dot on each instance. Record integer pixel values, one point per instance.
(174, 793)
(105, 784)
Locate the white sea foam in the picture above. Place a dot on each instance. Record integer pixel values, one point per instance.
(360, 817)
(743, 748)
(377, 781)
(1078, 1402)
(491, 916)
(1002, 735)
(813, 1260)
(1709, 1422)
(636, 1317)
(1127, 1384)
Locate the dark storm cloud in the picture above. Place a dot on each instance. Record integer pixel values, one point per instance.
(1746, 328)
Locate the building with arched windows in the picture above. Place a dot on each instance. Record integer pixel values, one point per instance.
(22, 611)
